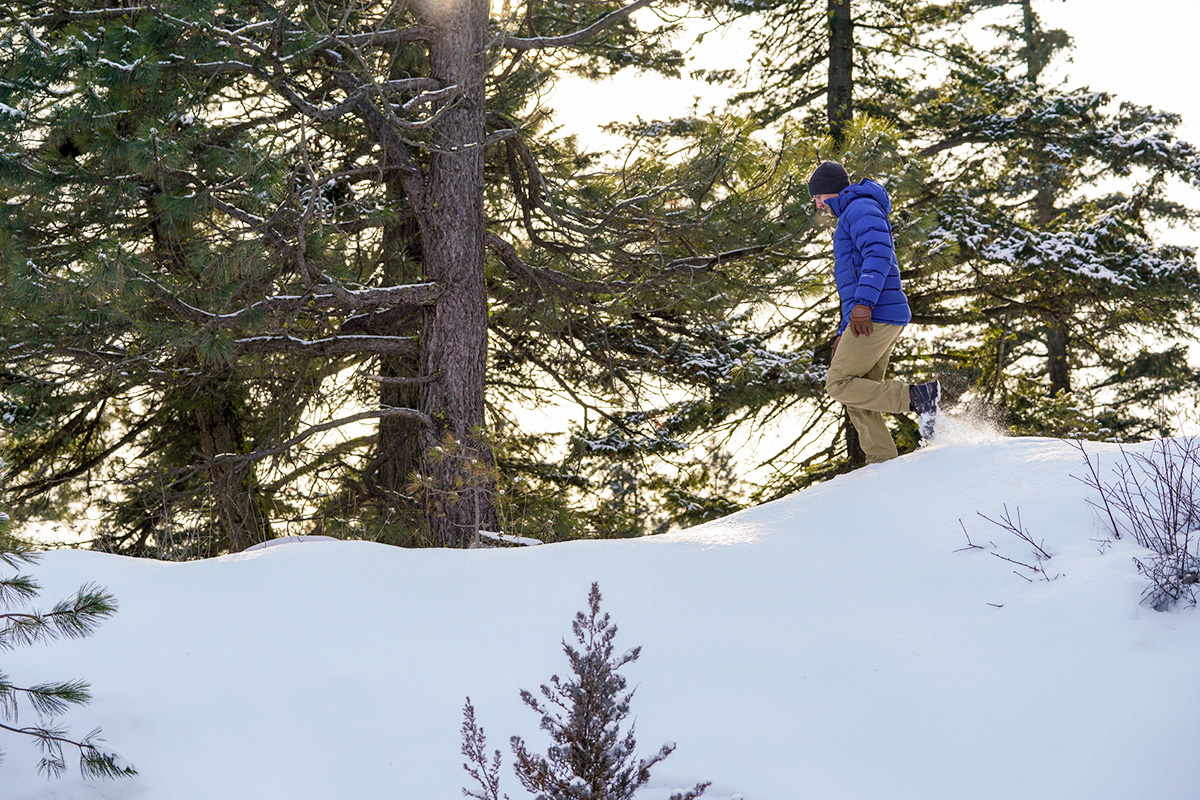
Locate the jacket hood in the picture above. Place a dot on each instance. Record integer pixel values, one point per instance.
(864, 188)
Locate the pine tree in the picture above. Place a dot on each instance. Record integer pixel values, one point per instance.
(246, 212)
(120, 227)
(1052, 219)
(20, 626)
(1022, 272)
(591, 757)
(678, 347)
(823, 63)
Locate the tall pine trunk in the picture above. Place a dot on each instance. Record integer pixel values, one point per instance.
(1057, 351)
(839, 99)
(1058, 340)
(839, 109)
(1037, 55)
(454, 331)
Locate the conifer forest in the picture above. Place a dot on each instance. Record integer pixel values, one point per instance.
(279, 267)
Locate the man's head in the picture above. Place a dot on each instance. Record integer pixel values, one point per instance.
(827, 181)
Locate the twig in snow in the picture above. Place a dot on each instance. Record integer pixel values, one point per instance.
(970, 545)
(1018, 530)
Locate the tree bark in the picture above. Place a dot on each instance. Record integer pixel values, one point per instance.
(1037, 54)
(398, 445)
(454, 331)
(1058, 343)
(240, 515)
(840, 96)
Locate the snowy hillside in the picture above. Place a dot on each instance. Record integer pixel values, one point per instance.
(841, 643)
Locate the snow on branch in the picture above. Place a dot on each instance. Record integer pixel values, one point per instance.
(508, 539)
(427, 88)
(389, 38)
(324, 298)
(404, 346)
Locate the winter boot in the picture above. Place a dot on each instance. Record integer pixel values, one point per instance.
(923, 399)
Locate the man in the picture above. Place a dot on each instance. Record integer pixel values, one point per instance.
(874, 310)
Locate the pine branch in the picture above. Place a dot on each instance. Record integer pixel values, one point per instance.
(386, 380)
(93, 762)
(318, 298)
(333, 454)
(70, 619)
(22, 492)
(566, 385)
(547, 42)
(307, 433)
(547, 278)
(17, 589)
(47, 699)
(388, 38)
(15, 558)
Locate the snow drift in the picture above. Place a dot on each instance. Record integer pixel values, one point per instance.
(844, 642)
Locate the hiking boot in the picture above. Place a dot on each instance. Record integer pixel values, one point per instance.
(923, 399)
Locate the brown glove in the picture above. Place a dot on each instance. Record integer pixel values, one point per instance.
(860, 321)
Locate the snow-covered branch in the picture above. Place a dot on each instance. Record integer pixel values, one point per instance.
(325, 298)
(508, 539)
(330, 347)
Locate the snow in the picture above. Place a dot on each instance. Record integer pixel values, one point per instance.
(507, 539)
(124, 67)
(844, 642)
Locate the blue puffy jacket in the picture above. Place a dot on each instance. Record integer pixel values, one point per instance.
(864, 258)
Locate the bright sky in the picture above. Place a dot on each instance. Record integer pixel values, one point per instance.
(1143, 52)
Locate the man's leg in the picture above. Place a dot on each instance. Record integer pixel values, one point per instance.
(873, 434)
(855, 379)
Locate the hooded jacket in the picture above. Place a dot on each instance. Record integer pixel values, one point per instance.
(864, 257)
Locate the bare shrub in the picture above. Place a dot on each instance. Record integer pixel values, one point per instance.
(1155, 500)
(1006, 522)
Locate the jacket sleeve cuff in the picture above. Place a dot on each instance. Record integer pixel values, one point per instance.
(870, 302)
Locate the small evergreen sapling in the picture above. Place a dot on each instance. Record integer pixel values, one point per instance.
(474, 747)
(590, 759)
(73, 618)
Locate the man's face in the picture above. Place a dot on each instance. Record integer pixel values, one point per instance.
(820, 199)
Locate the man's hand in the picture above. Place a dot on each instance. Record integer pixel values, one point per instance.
(833, 352)
(860, 321)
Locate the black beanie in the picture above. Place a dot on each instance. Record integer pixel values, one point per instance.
(829, 178)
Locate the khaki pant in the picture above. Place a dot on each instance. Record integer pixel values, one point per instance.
(855, 379)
